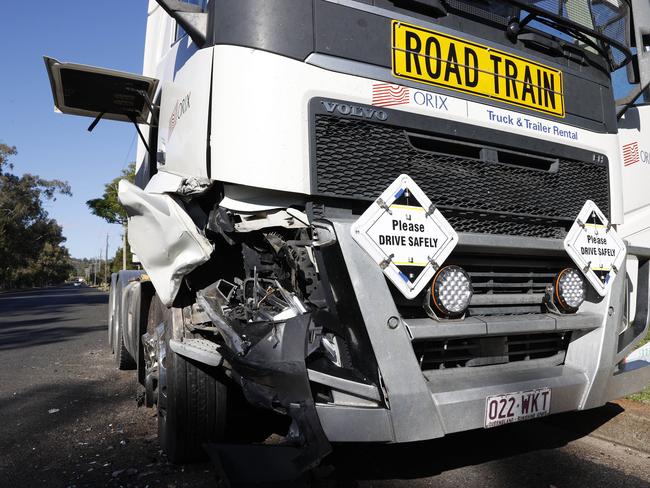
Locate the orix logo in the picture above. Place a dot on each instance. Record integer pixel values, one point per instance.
(630, 153)
(355, 110)
(388, 95)
(633, 154)
(181, 107)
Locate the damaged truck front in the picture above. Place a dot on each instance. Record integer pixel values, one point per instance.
(384, 221)
(237, 292)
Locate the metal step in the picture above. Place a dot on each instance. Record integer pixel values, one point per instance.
(200, 350)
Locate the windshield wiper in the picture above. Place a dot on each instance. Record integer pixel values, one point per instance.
(542, 42)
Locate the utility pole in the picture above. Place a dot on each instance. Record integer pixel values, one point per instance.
(106, 262)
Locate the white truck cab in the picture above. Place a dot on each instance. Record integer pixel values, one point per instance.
(385, 220)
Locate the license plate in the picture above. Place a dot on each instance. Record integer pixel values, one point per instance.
(515, 407)
(439, 59)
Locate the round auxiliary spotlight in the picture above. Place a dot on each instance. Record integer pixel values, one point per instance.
(570, 290)
(451, 291)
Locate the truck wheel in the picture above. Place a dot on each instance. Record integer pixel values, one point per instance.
(191, 400)
(123, 359)
(111, 332)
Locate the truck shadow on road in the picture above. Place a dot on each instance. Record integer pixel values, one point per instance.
(526, 454)
(35, 317)
(48, 300)
(36, 336)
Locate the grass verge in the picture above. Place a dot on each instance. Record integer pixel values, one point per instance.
(644, 396)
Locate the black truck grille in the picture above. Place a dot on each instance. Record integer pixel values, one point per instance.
(486, 351)
(502, 285)
(507, 286)
(527, 195)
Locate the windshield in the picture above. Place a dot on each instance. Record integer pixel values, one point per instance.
(596, 25)
(607, 17)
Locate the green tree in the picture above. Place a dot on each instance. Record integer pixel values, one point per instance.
(116, 264)
(52, 265)
(27, 234)
(109, 208)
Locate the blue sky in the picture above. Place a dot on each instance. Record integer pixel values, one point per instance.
(98, 32)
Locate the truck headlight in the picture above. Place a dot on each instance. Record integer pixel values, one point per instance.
(570, 290)
(451, 291)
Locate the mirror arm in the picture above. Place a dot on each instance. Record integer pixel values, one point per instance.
(147, 100)
(96, 121)
(134, 119)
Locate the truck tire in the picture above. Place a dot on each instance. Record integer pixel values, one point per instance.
(123, 359)
(192, 401)
(111, 306)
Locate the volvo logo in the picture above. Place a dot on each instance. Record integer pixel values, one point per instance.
(355, 110)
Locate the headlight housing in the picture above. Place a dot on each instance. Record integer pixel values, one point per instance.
(451, 291)
(570, 290)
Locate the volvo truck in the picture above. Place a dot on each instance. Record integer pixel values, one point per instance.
(385, 221)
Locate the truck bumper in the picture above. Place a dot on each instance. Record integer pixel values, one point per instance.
(420, 405)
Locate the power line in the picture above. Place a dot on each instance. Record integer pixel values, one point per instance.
(126, 158)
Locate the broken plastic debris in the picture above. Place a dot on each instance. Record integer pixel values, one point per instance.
(53, 410)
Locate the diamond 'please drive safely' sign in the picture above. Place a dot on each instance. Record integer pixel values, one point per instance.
(595, 247)
(405, 235)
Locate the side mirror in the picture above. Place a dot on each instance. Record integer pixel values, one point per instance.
(100, 93)
(190, 17)
(632, 70)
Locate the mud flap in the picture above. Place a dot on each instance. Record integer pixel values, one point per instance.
(254, 464)
(273, 375)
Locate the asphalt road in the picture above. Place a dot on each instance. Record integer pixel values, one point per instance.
(69, 419)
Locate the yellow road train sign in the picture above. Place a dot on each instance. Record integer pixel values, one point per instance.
(439, 59)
